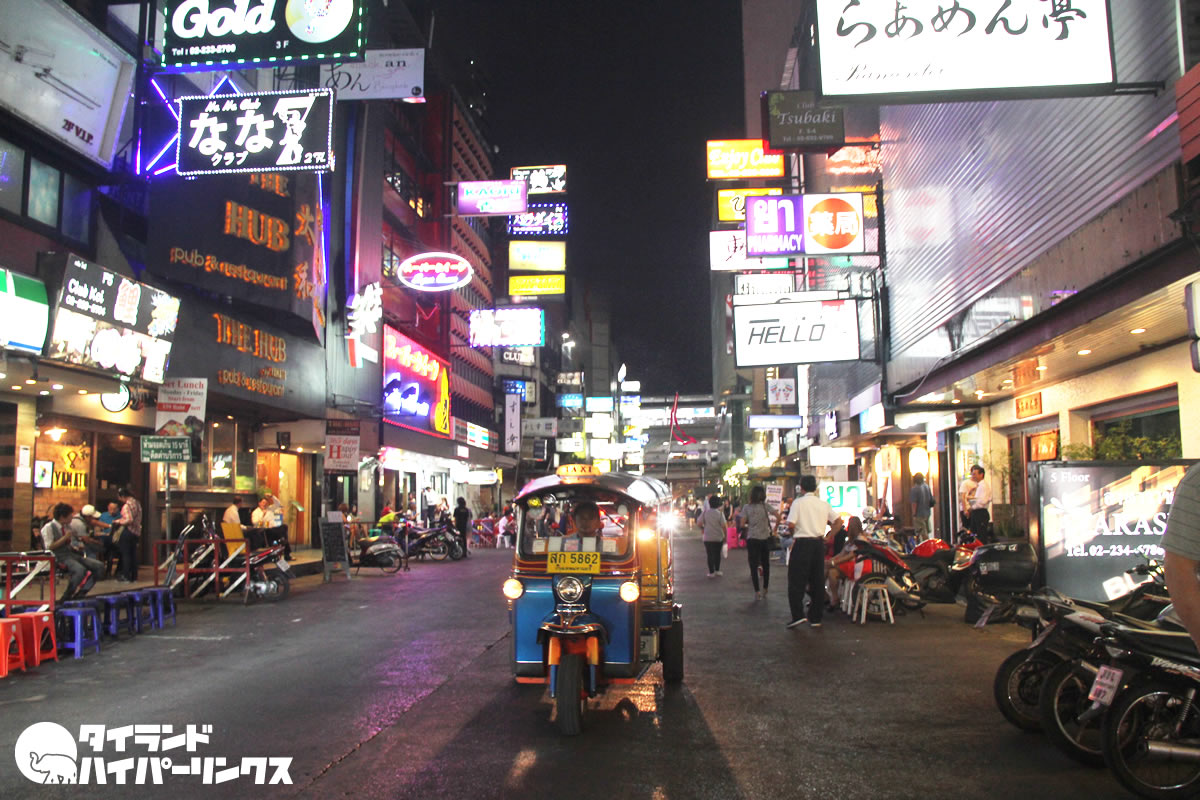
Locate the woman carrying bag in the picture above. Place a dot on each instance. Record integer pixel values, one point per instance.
(758, 525)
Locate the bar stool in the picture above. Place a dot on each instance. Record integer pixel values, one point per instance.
(111, 616)
(37, 631)
(145, 609)
(872, 591)
(10, 634)
(164, 603)
(82, 624)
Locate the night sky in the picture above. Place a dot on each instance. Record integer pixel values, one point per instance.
(625, 94)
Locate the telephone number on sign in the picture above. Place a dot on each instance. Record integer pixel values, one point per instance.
(210, 49)
(1114, 551)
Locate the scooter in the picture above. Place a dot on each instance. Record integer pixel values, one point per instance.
(274, 585)
(382, 551)
(433, 542)
(992, 575)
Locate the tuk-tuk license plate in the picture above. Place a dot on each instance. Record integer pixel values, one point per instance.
(1104, 688)
(573, 562)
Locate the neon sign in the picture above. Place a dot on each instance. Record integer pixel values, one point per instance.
(435, 272)
(416, 386)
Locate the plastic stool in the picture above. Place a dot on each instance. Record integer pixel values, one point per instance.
(76, 624)
(866, 593)
(145, 610)
(114, 604)
(10, 634)
(37, 631)
(164, 603)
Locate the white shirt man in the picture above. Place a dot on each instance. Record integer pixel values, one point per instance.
(975, 497)
(265, 515)
(232, 515)
(807, 520)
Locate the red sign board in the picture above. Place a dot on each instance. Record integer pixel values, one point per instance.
(416, 386)
(434, 272)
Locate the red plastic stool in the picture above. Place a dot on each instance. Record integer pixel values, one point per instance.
(37, 629)
(10, 633)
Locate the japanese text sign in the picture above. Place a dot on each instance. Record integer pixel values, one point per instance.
(381, 75)
(260, 132)
(210, 34)
(799, 224)
(540, 219)
(727, 252)
(416, 386)
(492, 198)
(972, 49)
(508, 327)
(742, 158)
(531, 256)
(793, 120)
(810, 332)
(435, 272)
(731, 203)
(537, 284)
(546, 179)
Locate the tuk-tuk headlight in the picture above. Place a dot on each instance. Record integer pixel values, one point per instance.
(570, 589)
(645, 535)
(630, 591)
(513, 588)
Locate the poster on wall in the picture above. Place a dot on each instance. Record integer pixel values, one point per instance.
(341, 445)
(180, 410)
(807, 332)
(1099, 519)
(416, 386)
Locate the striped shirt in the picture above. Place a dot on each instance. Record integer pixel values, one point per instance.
(1183, 523)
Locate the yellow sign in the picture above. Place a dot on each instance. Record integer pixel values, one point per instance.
(527, 255)
(573, 562)
(537, 284)
(731, 203)
(742, 158)
(576, 471)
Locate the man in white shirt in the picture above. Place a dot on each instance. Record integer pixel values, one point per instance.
(429, 501)
(232, 515)
(268, 518)
(974, 498)
(807, 520)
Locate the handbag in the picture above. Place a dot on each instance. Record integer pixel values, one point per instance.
(774, 542)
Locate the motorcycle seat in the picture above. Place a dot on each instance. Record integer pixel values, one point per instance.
(1168, 644)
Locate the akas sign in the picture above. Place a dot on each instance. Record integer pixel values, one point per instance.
(261, 132)
(213, 34)
(805, 332)
(416, 386)
(804, 224)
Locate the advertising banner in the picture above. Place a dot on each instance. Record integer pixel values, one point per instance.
(434, 272)
(769, 422)
(570, 400)
(545, 179)
(793, 121)
(536, 285)
(507, 327)
(491, 198)
(1098, 519)
(742, 158)
(795, 333)
(416, 386)
(64, 77)
(530, 256)
(180, 410)
(1026, 48)
(108, 322)
(341, 445)
(781, 392)
(213, 34)
(804, 224)
(540, 219)
(512, 423)
(546, 427)
(260, 132)
(256, 237)
(381, 75)
(727, 253)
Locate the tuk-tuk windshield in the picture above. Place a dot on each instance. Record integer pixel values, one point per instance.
(563, 518)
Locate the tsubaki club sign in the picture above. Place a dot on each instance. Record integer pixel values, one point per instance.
(434, 272)
(416, 386)
(804, 224)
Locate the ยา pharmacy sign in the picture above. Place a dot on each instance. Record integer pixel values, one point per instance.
(804, 224)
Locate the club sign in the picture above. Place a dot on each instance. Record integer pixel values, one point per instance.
(434, 272)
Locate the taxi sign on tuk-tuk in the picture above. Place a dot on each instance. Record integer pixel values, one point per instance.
(577, 471)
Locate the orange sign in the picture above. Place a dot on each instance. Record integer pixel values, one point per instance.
(1043, 446)
(1029, 406)
(742, 158)
(731, 203)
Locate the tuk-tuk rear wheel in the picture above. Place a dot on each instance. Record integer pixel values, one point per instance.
(569, 698)
(670, 647)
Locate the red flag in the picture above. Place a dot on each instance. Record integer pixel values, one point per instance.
(676, 433)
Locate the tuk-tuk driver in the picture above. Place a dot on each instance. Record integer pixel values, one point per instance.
(586, 515)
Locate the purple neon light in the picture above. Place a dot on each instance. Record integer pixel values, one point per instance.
(170, 107)
(161, 170)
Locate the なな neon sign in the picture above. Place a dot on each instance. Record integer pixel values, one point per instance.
(434, 272)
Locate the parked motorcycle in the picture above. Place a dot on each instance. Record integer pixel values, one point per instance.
(382, 551)
(931, 563)
(882, 562)
(274, 585)
(436, 543)
(992, 575)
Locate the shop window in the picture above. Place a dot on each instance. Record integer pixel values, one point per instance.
(226, 461)
(244, 477)
(12, 177)
(197, 471)
(224, 438)
(1149, 434)
(76, 209)
(114, 464)
(43, 193)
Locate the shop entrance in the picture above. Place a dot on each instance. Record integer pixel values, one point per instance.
(286, 475)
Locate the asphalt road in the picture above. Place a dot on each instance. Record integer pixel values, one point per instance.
(400, 686)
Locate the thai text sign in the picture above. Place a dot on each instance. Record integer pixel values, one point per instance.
(416, 386)
(540, 219)
(529, 256)
(793, 120)
(971, 49)
(537, 284)
(546, 179)
(173, 449)
(795, 333)
(742, 158)
(508, 327)
(846, 497)
(260, 132)
(381, 75)
(804, 224)
(209, 34)
(485, 198)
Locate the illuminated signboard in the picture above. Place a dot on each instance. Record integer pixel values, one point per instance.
(478, 436)
(537, 284)
(108, 322)
(793, 120)
(742, 158)
(845, 497)
(767, 422)
(727, 253)
(24, 313)
(416, 386)
(381, 75)
(488, 198)
(598, 405)
(570, 400)
(804, 224)
(548, 179)
(508, 327)
(434, 272)
(526, 256)
(212, 34)
(1019, 48)
(521, 356)
(540, 219)
(517, 387)
(731, 203)
(795, 333)
(260, 132)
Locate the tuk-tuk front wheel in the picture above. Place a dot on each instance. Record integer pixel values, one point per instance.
(569, 698)
(670, 648)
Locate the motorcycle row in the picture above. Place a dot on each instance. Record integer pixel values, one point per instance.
(391, 548)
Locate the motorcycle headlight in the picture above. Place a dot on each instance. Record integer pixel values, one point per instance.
(570, 589)
(513, 588)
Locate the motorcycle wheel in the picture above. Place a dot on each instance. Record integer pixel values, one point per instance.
(436, 550)
(456, 550)
(670, 648)
(1018, 685)
(283, 585)
(569, 699)
(392, 565)
(1064, 698)
(1148, 714)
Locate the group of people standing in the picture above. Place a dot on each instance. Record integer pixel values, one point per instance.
(83, 541)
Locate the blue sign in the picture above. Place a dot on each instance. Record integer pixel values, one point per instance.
(570, 401)
(515, 387)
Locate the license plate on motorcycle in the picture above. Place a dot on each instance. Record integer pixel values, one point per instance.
(573, 562)
(1104, 688)
(283, 564)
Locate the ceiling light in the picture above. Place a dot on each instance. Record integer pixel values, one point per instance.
(30, 381)
(979, 393)
(1085, 352)
(55, 433)
(229, 416)
(3, 376)
(216, 424)
(955, 401)
(1042, 368)
(1136, 331)
(56, 386)
(44, 392)
(1007, 380)
(17, 388)
(83, 391)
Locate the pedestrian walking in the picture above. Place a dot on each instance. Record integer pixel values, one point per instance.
(920, 500)
(758, 520)
(808, 519)
(712, 527)
(462, 520)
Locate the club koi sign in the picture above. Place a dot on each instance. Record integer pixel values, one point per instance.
(434, 272)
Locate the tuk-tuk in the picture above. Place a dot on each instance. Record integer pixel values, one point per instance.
(592, 602)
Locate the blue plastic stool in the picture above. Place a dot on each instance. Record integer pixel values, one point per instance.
(145, 609)
(164, 602)
(114, 604)
(75, 624)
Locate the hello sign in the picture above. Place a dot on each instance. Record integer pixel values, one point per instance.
(434, 272)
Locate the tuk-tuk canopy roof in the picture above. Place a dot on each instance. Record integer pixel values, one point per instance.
(647, 491)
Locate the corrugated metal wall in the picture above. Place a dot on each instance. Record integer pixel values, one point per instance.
(975, 191)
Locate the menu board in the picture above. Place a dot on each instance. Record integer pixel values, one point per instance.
(111, 323)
